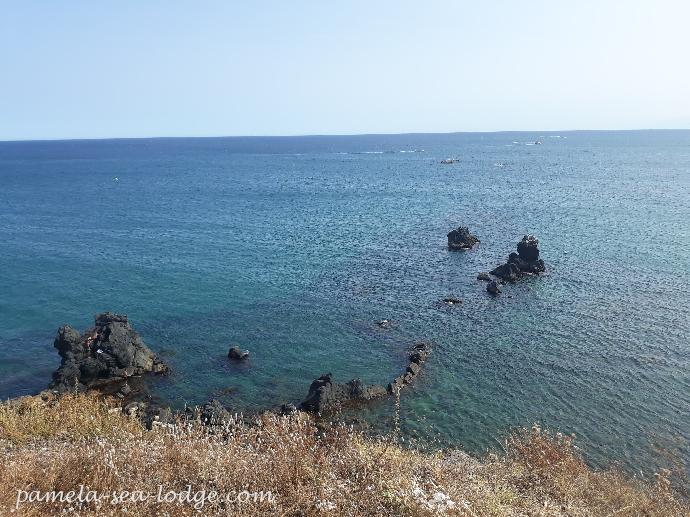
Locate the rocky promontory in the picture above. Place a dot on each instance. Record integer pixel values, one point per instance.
(109, 352)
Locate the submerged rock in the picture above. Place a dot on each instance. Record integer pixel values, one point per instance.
(384, 324)
(484, 276)
(461, 239)
(525, 262)
(493, 288)
(109, 352)
(236, 354)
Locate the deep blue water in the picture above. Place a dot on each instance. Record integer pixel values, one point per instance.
(294, 247)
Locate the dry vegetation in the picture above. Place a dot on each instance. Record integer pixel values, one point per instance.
(61, 444)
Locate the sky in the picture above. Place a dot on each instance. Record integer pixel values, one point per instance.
(104, 69)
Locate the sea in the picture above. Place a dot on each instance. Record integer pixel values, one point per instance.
(295, 247)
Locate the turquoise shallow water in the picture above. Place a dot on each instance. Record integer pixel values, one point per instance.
(294, 247)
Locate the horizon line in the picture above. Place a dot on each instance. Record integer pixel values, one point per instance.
(336, 135)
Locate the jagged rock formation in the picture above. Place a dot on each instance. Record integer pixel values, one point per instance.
(325, 395)
(109, 352)
(418, 356)
(461, 239)
(525, 262)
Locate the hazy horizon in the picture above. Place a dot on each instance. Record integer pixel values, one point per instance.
(329, 135)
(89, 71)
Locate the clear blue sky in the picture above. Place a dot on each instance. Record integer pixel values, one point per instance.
(98, 69)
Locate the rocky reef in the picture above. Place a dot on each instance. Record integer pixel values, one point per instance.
(109, 352)
(325, 395)
(418, 356)
(461, 239)
(525, 262)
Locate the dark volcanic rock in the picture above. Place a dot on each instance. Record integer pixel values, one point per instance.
(528, 248)
(418, 355)
(236, 354)
(461, 239)
(210, 413)
(510, 272)
(484, 276)
(287, 409)
(109, 352)
(525, 262)
(326, 395)
(493, 288)
(214, 413)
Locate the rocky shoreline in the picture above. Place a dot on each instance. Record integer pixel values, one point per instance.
(111, 357)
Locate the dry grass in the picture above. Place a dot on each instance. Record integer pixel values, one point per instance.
(27, 419)
(79, 440)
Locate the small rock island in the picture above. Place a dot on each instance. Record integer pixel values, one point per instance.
(461, 239)
(109, 352)
(525, 262)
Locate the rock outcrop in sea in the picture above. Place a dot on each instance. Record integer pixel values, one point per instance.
(325, 395)
(461, 239)
(493, 288)
(525, 262)
(418, 356)
(237, 354)
(110, 352)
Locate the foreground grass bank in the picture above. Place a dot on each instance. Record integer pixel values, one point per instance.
(287, 466)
